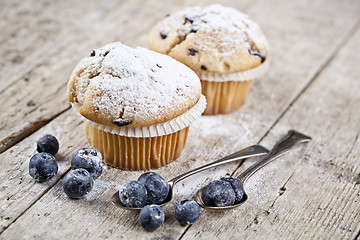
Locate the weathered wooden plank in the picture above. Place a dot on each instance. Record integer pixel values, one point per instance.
(16, 198)
(13, 199)
(31, 35)
(47, 65)
(39, 106)
(18, 190)
(335, 126)
(313, 192)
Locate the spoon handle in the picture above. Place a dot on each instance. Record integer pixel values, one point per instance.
(284, 145)
(252, 151)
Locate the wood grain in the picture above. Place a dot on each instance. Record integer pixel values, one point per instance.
(52, 72)
(49, 104)
(49, 66)
(312, 86)
(313, 192)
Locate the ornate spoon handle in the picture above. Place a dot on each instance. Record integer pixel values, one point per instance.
(252, 151)
(279, 149)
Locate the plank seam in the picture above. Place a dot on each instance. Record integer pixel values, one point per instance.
(35, 200)
(282, 189)
(342, 43)
(18, 137)
(267, 211)
(185, 231)
(54, 52)
(357, 236)
(352, 147)
(322, 67)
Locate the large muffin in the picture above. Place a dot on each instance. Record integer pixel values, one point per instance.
(137, 103)
(224, 46)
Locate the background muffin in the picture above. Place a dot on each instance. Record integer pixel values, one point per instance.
(221, 44)
(130, 97)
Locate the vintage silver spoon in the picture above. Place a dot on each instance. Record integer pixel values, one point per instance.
(252, 151)
(279, 149)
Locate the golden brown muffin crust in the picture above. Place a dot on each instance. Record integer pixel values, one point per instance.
(215, 39)
(121, 86)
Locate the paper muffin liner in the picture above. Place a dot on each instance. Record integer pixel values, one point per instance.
(142, 148)
(238, 76)
(156, 130)
(137, 153)
(224, 97)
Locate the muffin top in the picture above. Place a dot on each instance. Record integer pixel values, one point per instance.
(135, 87)
(215, 38)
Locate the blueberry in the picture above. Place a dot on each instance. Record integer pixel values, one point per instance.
(163, 34)
(151, 217)
(133, 194)
(42, 166)
(237, 186)
(48, 143)
(77, 183)
(203, 67)
(89, 159)
(187, 212)
(218, 193)
(157, 188)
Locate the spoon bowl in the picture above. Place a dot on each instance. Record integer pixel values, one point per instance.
(279, 149)
(252, 151)
(199, 200)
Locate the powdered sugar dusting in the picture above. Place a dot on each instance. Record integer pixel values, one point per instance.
(133, 84)
(218, 20)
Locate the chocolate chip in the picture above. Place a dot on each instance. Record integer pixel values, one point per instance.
(167, 15)
(163, 34)
(159, 66)
(106, 53)
(194, 28)
(256, 53)
(122, 122)
(192, 51)
(203, 67)
(189, 19)
(92, 54)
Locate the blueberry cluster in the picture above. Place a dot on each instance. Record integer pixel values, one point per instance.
(151, 189)
(224, 192)
(86, 164)
(43, 165)
(157, 187)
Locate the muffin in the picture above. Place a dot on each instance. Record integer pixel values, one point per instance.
(137, 105)
(222, 45)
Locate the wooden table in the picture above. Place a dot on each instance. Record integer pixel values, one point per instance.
(313, 86)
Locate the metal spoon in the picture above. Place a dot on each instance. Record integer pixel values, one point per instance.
(252, 151)
(279, 149)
